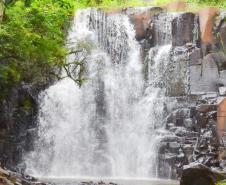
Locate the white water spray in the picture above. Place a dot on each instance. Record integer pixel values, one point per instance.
(107, 127)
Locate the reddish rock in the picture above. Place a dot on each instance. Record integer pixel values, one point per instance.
(176, 6)
(182, 29)
(142, 20)
(141, 23)
(206, 19)
(221, 117)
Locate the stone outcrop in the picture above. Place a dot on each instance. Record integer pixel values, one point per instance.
(196, 134)
(207, 73)
(182, 31)
(178, 5)
(194, 129)
(223, 35)
(206, 17)
(12, 178)
(206, 68)
(194, 76)
(197, 173)
(162, 29)
(142, 21)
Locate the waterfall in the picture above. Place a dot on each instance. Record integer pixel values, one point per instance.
(111, 126)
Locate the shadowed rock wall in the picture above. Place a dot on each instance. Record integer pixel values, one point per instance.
(18, 123)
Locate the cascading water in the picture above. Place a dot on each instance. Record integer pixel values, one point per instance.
(108, 127)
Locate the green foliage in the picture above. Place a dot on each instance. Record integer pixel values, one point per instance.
(221, 183)
(27, 104)
(195, 4)
(112, 4)
(32, 36)
(217, 3)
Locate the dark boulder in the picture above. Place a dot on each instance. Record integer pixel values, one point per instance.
(199, 174)
(18, 113)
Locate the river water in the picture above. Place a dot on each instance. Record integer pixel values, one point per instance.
(109, 181)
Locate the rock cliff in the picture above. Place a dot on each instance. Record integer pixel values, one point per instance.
(195, 77)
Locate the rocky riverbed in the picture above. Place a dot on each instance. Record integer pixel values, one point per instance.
(8, 177)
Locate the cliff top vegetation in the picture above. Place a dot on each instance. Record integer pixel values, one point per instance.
(193, 5)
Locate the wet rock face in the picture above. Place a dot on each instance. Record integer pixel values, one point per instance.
(113, 41)
(197, 64)
(182, 29)
(193, 137)
(223, 34)
(17, 123)
(193, 69)
(175, 29)
(162, 29)
(177, 75)
(206, 75)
